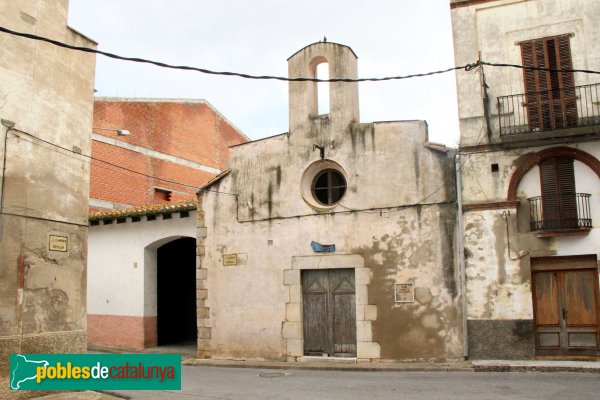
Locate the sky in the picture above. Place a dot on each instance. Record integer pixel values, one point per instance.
(390, 38)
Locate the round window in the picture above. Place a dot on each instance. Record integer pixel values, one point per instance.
(323, 184)
(328, 187)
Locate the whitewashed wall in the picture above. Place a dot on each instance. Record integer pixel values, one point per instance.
(122, 263)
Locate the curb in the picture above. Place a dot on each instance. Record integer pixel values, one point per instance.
(334, 366)
(395, 367)
(534, 368)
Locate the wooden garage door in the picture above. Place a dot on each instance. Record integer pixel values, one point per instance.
(329, 312)
(566, 306)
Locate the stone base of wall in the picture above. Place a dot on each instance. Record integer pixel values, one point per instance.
(122, 331)
(6, 393)
(50, 342)
(501, 339)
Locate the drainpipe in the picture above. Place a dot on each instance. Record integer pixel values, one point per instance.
(461, 254)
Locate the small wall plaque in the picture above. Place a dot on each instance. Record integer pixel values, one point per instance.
(404, 292)
(230, 259)
(58, 243)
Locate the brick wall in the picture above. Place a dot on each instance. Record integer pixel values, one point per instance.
(190, 130)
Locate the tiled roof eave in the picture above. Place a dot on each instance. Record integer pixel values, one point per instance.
(149, 209)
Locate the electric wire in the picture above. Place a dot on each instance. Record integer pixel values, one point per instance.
(114, 167)
(466, 67)
(109, 165)
(531, 68)
(161, 64)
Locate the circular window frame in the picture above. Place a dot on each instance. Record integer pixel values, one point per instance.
(309, 177)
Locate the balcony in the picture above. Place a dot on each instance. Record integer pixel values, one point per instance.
(571, 111)
(560, 215)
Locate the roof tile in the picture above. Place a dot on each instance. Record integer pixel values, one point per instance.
(149, 209)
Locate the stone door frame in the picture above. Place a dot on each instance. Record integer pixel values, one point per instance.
(292, 328)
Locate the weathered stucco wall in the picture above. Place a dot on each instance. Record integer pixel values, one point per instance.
(499, 287)
(417, 248)
(248, 301)
(395, 224)
(499, 293)
(367, 152)
(495, 28)
(46, 92)
(498, 242)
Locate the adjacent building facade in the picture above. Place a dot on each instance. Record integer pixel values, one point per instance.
(46, 102)
(142, 276)
(174, 145)
(150, 158)
(530, 174)
(335, 239)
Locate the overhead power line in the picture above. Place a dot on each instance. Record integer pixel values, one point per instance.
(117, 166)
(226, 73)
(466, 67)
(492, 64)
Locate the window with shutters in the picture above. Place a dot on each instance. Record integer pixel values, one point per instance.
(559, 207)
(550, 95)
(558, 193)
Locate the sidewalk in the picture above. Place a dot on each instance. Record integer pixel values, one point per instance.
(188, 354)
(336, 364)
(455, 366)
(535, 366)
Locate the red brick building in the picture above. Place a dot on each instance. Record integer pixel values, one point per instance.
(173, 145)
(148, 151)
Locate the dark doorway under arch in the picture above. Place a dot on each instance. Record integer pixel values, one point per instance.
(176, 292)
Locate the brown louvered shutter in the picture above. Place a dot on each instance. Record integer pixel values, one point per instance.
(558, 193)
(569, 98)
(550, 95)
(565, 176)
(550, 202)
(532, 86)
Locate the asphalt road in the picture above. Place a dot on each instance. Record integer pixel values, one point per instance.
(212, 383)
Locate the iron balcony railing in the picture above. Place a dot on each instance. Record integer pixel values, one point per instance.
(549, 110)
(570, 211)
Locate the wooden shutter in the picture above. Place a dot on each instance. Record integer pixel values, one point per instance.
(530, 58)
(565, 175)
(550, 202)
(559, 203)
(567, 80)
(550, 95)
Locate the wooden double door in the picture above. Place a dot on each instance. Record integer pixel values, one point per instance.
(329, 312)
(566, 306)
